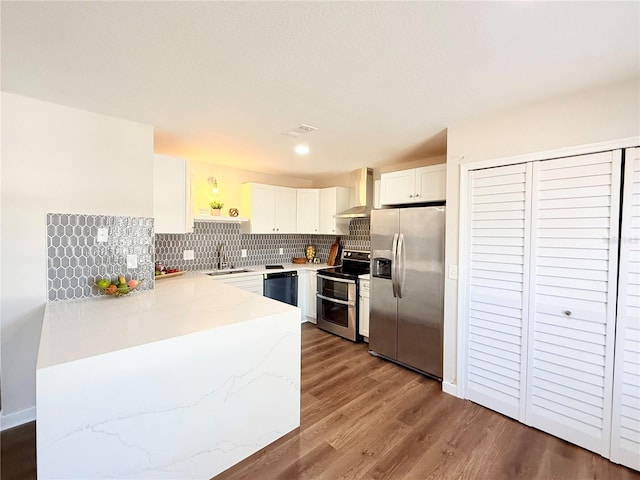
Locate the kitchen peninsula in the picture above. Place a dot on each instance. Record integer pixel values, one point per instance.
(182, 381)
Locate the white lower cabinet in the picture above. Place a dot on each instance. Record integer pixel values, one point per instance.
(541, 294)
(311, 306)
(363, 328)
(251, 283)
(303, 282)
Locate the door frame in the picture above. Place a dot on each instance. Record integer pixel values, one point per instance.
(464, 248)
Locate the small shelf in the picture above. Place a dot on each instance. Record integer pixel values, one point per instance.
(219, 219)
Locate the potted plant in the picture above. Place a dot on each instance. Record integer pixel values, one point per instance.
(216, 207)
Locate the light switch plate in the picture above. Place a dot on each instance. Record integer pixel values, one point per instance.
(243, 253)
(188, 255)
(132, 261)
(281, 251)
(453, 272)
(103, 234)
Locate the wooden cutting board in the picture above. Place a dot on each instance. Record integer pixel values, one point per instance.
(333, 252)
(168, 275)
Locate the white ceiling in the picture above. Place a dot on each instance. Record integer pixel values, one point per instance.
(220, 81)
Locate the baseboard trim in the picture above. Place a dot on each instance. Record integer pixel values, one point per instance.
(450, 388)
(17, 418)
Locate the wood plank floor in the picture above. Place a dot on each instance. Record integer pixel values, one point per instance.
(18, 453)
(366, 418)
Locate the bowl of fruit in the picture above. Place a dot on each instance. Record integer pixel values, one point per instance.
(117, 287)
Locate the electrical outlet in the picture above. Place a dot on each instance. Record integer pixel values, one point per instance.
(103, 234)
(453, 272)
(281, 251)
(243, 253)
(132, 261)
(188, 255)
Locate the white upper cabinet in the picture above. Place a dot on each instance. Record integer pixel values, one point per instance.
(286, 210)
(397, 187)
(333, 200)
(431, 183)
(172, 201)
(425, 184)
(274, 209)
(271, 209)
(308, 210)
(258, 202)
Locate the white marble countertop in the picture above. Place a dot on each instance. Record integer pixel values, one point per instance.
(78, 329)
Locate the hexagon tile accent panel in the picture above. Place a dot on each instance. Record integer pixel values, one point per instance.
(75, 257)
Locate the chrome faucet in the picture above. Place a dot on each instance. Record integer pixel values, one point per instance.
(222, 259)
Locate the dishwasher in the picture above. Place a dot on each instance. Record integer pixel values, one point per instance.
(282, 286)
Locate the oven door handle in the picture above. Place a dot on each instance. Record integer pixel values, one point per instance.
(334, 279)
(335, 300)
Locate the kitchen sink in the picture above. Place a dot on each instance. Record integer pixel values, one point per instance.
(228, 272)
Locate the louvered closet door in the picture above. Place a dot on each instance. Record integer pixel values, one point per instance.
(625, 432)
(573, 294)
(496, 301)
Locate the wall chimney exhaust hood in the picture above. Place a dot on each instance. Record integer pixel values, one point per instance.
(363, 196)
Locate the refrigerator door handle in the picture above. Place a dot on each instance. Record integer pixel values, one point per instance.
(394, 265)
(401, 259)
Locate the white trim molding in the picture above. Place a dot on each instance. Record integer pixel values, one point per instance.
(550, 154)
(450, 388)
(18, 418)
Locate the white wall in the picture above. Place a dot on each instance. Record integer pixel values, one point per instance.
(230, 181)
(55, 159)
(604, 114)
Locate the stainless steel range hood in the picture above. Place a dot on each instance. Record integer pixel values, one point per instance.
(363, 196)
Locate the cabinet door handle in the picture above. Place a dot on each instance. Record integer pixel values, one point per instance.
(567, 313)
(417, 195)
(410, 196)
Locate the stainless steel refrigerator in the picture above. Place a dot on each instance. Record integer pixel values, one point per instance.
(407, 286)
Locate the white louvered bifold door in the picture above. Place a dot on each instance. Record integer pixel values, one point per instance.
(496, 306)
(575, 213)
(625, 432)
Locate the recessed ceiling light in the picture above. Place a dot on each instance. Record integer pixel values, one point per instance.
(302, 149)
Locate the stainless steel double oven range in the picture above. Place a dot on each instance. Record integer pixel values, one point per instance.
(337, 295)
